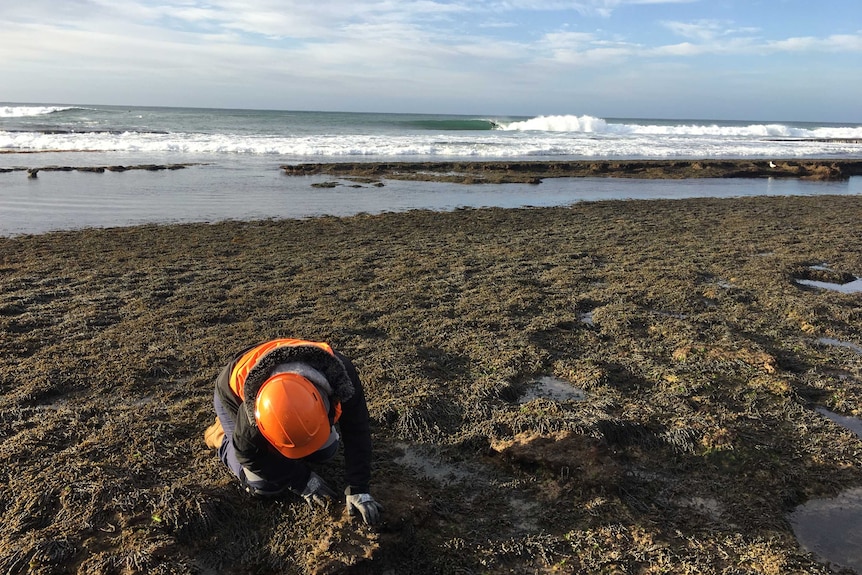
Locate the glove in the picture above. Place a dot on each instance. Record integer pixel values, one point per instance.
(316, 491)
(366, 506)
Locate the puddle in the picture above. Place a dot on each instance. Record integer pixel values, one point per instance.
(549, 387)
(851, 287)
(586, 318)
(523, 514)
(705, 506)
(837, 343)
(854, 424)
(832, 528)
(526, 512)
(431, 466)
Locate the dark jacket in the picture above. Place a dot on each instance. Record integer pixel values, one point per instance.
(256, 454)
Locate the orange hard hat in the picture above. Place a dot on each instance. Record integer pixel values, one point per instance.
(292, 415)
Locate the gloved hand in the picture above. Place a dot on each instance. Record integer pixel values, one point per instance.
(366, 506)
(316, 491)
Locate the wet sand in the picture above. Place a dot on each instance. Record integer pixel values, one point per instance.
(697, 351)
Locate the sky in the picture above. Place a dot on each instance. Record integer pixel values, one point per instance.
(796, 60)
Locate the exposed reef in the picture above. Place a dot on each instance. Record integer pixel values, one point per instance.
(501, 172)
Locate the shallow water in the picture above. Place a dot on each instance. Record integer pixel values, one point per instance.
(427, 463)
(586, 318)
(854, 424)
(209, 193)
(832, 528)
(838, 343)
(549, 387)
(850, 287)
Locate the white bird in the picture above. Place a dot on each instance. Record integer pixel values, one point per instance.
(772, 164)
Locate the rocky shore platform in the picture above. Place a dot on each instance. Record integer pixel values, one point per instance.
(34, 172)
(611, 387)
(500, 172)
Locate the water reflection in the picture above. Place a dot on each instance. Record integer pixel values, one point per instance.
(832, 528)
(850, 287)
(854, 424)
(208, 193)
(838, 343)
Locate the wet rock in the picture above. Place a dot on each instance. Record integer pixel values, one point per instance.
(534, 172)
(33, 172)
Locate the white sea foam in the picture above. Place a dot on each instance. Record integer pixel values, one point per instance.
(181, 133)
(25, 111)
(592, 125)
(489, 145)
(585, 124)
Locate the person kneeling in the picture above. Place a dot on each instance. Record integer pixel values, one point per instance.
(277, 404)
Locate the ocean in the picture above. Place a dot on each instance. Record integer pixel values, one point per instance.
(235, 157)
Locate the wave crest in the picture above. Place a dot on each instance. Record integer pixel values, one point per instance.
(593, 125)
(585, 124)
(25, 111)
(455, 124)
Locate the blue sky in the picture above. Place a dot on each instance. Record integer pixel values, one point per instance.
(712, 59)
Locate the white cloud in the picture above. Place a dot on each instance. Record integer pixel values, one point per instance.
(834, 43)
(719, 37)
(565, 40)
(418, 49)
(703, 30)
(580, 49)
(606, 8)
(682, 49)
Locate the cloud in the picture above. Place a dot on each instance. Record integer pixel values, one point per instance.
(686, 49)
(703, 30)
(707, 30)
(580, 49)
(606, 8)
(834, 43)
(344, 32)
(419, 49)
(720, 37)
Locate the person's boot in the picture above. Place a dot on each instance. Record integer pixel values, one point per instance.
(214, 435)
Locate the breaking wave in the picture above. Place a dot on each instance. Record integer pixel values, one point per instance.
(181, 133)
(25, 111)
(593, 125)
(585, 124)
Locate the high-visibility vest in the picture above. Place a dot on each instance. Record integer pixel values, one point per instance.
(249, 359)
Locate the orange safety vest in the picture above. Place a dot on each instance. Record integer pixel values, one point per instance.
(249, 359)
